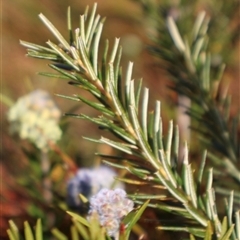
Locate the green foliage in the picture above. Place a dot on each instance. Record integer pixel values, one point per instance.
(80, 229)
(13, 232)
(200, 81)
(147, 155)
(198, 75)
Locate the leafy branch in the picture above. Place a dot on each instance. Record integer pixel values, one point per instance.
(197, 76)
(123, 105)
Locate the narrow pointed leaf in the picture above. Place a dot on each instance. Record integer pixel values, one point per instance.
(127, 83)
(191, 186)
(119, 111)
(149, 197)
(173, 30)
(98, 106)
(64, 56)
(14, 230)
(138, 93)
(160, 134)
(48, 56)
(144, 111)
(132, 218)
(169, 142)
(96, 47)
(132, 95)
(133, 182)
(119, 131)
(38, 230)
(104, 69)
(117, 67)
(58, 234)
(192, 237)
(224, 227)
(176, 143)
(92, 31)
(79, 218)
(206, 73)
(167, 168)
(142, 140)
(208, 234)
(36, 47)
(200, 217)
(11, 235)
(179, 195)
(65, 73)
(210, 179)
(81, 229)
(120, 146)
(185, 178)
(201, 170)
(53, 75)
(195, 231)
(230, 208)
(86, 61)
(197, 48)
(82, 29)
(198, 23)
(54, 31)
(90, 23)
(74, 233)
(228, 233)
(114, 50)
(27, 231)
(237, 224)
(69, 24)
(156, 129)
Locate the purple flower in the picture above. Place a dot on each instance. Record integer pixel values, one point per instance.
(111, 206)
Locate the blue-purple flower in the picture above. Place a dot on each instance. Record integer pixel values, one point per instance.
(110, 206)
(88, 182)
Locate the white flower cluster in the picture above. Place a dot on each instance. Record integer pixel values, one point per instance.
(35, 117)
(111, 206)
(88, 182)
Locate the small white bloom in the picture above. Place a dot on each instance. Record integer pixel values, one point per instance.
(35, 117)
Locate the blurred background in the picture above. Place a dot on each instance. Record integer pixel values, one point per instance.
(125, 19)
